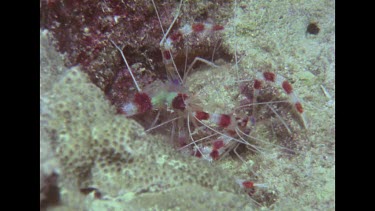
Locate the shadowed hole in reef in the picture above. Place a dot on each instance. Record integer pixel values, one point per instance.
(51, 192)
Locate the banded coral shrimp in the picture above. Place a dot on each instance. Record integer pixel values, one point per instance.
(264, 101)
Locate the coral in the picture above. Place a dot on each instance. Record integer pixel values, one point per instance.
(184, 197)
(49, 172)
(271, 36)
(137, 163)
(113, 154)
(82, 30)
(50, 60)
(70, 125)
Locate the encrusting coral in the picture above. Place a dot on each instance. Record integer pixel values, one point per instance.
(113, 155)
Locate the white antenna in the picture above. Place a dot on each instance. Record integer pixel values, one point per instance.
(127, 65)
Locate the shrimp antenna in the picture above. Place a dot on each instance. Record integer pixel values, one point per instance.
(127, 65)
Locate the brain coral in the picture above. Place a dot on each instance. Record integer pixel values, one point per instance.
(98, 149)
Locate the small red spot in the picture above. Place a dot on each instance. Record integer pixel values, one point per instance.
(214, 154)
(119, 110)
(166, 55)
(224, 120)
(182, 143)
(197, 154)
(218, 144)
(269, 76)
(217, 27)
(179, 102)
(287, 87)
(248, 184)
(176, 36)
(143, 102)
(299, 107)
(257, 84)
(97, 195)
(197, 27)
(201, 115)
(182, 140)
(231, 132)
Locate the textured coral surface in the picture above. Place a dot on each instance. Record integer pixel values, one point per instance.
(130, 169)
(111, 153)
(83, 30)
